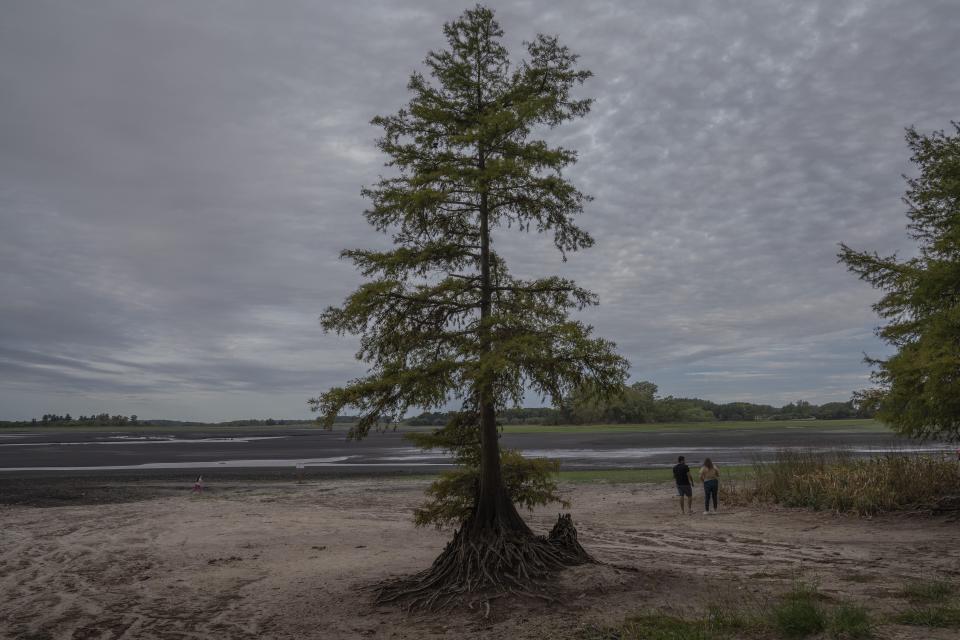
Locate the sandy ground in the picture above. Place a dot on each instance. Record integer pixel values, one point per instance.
(289, 561)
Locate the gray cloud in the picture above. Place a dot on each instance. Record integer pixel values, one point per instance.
(177, 179)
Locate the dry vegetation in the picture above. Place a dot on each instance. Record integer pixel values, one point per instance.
(846, 484)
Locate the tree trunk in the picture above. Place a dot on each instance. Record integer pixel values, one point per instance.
(494, 510)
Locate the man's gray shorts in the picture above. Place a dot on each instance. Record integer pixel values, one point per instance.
(684, 490)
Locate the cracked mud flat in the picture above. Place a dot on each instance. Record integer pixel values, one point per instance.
(286, 561)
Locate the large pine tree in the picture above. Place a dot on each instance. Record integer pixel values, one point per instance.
(441, 318)
(919, 386)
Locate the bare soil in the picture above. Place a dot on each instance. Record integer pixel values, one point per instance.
(281, 560)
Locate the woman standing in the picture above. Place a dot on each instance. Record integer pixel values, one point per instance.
(710, 476)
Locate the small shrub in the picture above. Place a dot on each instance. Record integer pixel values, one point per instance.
(724, 618)
(652, 626)
(928, 590)
(719, 623)
(531, 482)
(799, 614)
(851, 622)
(938, 616)
(657, 627)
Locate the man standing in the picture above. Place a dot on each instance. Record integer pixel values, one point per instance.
(681, 473)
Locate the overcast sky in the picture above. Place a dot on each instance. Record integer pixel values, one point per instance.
(177, 179)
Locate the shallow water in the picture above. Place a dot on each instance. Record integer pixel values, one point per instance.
(608, 457)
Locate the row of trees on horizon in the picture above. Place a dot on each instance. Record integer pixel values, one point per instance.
(93, 419)
(107, 420)
(639, 404)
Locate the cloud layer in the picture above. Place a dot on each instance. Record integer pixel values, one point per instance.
(177, 179)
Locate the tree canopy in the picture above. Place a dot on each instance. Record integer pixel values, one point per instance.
(441, 317)
(918, 389)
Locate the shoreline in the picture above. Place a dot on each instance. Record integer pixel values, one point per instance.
(261, 558)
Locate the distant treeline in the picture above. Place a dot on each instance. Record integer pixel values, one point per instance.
(638, 404)
(107, 420)
(97, 419)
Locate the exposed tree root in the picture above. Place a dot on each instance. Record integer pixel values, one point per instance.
(480, 566)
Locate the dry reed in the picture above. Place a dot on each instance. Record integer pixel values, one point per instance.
(846, 484)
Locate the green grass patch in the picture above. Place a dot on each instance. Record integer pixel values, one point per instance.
(933, 602)
(850, 622)
(799, 613)
(940, 616)
(929, 591)
(618, 476)
(842, 483)
(630, 476)
(803, 612)
(717, 624)
(798, 618)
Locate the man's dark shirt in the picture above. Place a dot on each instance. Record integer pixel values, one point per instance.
(681, 473)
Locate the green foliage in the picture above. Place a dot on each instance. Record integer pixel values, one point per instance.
(726, 618)
(91, 420)
(105, 419)
(718, 624)
(842, 483)
(919, 386)
(928, 590)
(934, 604)
(799, 613)
(508, 416)
(639, 404)
(943, 617)
(441, 318)
(850, 622)
(530, 482)
(635, 404)
(631, 476)
(451, 497)
(660, 427)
